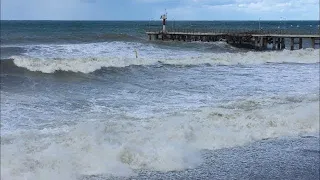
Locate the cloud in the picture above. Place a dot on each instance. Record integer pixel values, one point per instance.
(46, 9)
(147, 9)
(247, 9)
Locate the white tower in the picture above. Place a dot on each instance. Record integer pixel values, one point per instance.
(164, 18)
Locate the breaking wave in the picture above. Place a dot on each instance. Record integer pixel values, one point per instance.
(91, 64)
(120, 146)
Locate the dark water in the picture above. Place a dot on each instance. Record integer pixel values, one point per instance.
(30, 32)
(97, 100)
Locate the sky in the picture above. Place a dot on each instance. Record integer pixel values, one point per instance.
(152, 9)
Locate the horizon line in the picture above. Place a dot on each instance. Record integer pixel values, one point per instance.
(154, 20)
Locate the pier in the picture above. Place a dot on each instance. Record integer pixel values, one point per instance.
(259, 39)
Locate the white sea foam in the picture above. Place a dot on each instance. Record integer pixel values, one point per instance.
(87, 58)
(171, 142)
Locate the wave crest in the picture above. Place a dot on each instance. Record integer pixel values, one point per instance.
(91, 64)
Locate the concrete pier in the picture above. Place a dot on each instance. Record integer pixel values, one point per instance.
(258, 40)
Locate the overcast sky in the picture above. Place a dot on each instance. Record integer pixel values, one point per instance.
(152, 9)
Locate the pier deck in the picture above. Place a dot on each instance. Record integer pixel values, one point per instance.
(253, 39)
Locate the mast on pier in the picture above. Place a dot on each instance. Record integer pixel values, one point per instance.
(164, 18)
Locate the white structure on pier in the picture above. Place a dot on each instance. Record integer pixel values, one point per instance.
(164, 18)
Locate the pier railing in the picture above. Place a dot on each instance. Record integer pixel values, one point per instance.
(239, 31)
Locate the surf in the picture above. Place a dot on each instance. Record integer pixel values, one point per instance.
(172, 142)
(92, 64)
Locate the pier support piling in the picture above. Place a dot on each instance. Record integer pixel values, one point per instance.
(292, 44)
(274, 43)
(300, 43)
(279, 43)
(283, 44)
(265, 43)
(313, 43)
(261, 43)
(256, 43)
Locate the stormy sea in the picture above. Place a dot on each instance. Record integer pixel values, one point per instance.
(96, 100)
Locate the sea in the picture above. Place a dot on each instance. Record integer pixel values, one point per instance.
(96, 100)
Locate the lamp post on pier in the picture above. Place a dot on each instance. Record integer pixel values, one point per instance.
(150, 23)
(172, 24)
(284, 22)
(164, 18)
(259, 24)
